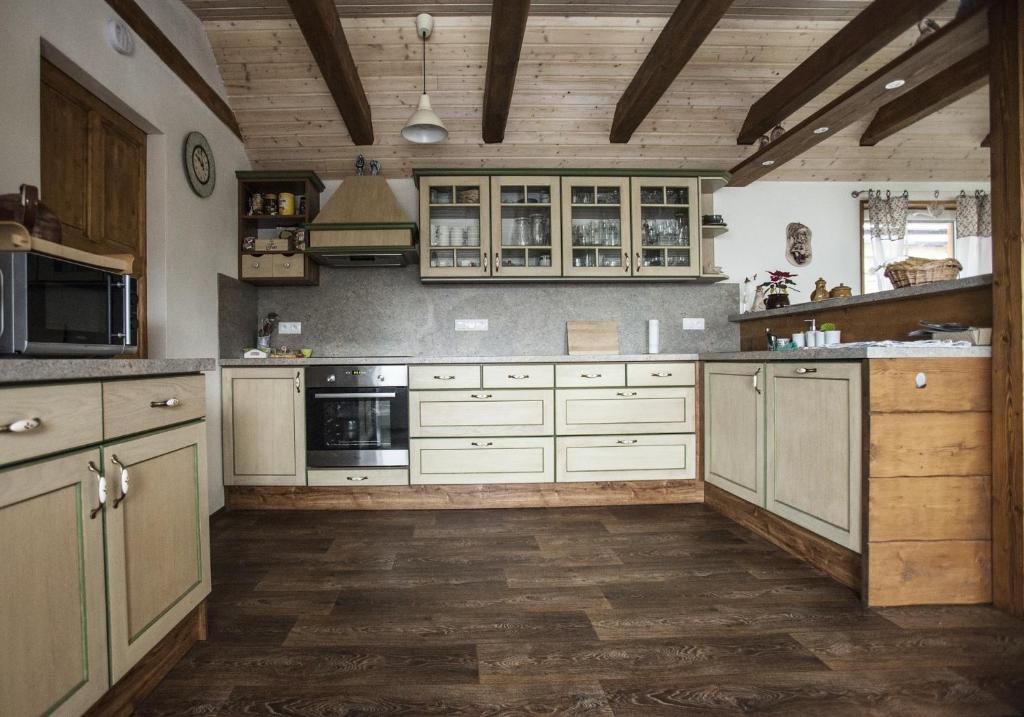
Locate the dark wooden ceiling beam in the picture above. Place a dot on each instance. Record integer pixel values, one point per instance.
(684, 32)
(319, 23)
(956, 82)
(508, 26)
(159, 43)
(957, 40)
(875, 27)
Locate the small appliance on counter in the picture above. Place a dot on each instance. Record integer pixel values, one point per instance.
(357, 416)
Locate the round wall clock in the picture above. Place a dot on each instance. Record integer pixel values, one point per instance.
(199, 166)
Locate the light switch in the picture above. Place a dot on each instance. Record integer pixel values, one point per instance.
(471, 324)
(289, 327)
(693, 324)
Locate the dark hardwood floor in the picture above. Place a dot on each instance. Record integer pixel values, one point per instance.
(650, 610)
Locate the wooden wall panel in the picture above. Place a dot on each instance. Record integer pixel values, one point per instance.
(571, 73)
(931, 444)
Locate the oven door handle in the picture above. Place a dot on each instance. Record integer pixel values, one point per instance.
(355, 395)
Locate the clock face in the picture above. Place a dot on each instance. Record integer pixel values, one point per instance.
(200, 169)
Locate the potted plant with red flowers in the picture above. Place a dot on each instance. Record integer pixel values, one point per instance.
(776, 289)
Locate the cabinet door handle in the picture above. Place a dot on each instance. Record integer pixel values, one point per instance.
(488, 444)
(639, 264)
(23, 426)
(803, 370)
(101, 490)
(357, 479)
(169, 403)
(298, 382)
(482, 395)
(497, 261)
(483, 263)
(662, 374)
(444, 378)
(625, 261)
(518, 376)
(590, 375)
(626, 394)
(754, 378)
(124, 480)
(626, 442)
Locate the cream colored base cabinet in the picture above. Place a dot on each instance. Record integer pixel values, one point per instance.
(264, 426)
(625, 458)
(52, 622)
(157, 537)
(734, 440)
(483, 460)
(814, 447)
(601, 411)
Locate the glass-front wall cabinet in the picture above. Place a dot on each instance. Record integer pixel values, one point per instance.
(526, 234)
(666, 229)
(455, 220)
(595, 226)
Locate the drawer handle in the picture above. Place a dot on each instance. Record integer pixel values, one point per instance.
(124, 480)
(444, 378)
(590, 375)
(519, 376)
(23, 426)
(169, 403)
(488, 444)
(662, 374)
(803, 370)
(287, 265)
(627, 442)
(357, 479)
(482, 395)
(101, 490)
(626, 394)
(255, 265)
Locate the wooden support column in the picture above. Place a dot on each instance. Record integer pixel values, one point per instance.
(1006, 37)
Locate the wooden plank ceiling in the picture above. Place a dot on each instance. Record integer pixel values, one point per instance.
(572, 72)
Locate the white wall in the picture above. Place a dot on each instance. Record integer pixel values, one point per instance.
(757, 216)
(189, 239)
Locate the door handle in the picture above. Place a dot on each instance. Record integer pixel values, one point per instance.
(625, 261)
(169, 403)
(662, 374)
(625, 442)
(590, 375)
(754, 377)
(626, 394)
(298, 382)
(519, 376)
(354, 395)
(803, 370)
(357, 478)
(124, 480)
(639, 263)
(444, 378)
(22, 426)
(101, 490)
(483, 263)
(488, 444)
(482, 395)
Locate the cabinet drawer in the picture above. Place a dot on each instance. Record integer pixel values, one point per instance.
(481, 413)
(68, 416)
(459, 376)
(610, 458)
(930, 385)
(258, 266)
(633, 410)
(289, 265)
(519, 376)
(358, 476)
(485, 460)
(661, 374)
(150, 403)
(585, 375)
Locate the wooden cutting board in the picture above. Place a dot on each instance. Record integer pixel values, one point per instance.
(592, 337)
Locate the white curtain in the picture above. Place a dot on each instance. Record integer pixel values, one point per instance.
(973, 245)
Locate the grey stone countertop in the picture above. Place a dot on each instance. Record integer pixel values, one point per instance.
(419, 360)
(891, 295)
(852, 353)
(72, 369)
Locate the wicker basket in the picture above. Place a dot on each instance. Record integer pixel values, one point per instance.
(469, 196)
(915, 271)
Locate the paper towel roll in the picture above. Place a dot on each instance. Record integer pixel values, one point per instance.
(653, 336)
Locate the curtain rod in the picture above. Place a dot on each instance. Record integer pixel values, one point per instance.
(906, 192)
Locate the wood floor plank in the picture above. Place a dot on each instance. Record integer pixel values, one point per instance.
(722, 590)
(507, 558)
(474, 597)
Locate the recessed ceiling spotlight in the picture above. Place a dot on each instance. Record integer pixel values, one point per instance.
(821, 130)
(768, 163)
(895, 84)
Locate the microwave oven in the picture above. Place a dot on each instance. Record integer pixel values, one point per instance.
(55, 307)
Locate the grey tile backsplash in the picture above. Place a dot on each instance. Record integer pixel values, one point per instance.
(388, 312)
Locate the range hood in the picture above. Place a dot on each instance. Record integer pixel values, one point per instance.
(362, 224)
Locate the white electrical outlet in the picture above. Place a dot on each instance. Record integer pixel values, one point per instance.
(471, 324)
(289, 327)
(693, 324)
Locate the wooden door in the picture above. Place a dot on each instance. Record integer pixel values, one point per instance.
(158, 540)
(666, 226)
(94, 174)
(455, 227)
(595, 227)
(734, 450)
(526, 230)
(53, 624)
(264, 417)
(814, 447)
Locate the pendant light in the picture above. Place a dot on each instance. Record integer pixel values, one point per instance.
(424, 127)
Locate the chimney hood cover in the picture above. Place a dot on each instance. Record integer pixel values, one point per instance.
(364, 218)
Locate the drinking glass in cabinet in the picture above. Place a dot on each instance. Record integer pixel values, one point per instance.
(609, 195)
(442, 257)
(513, 195)
(677, 195)
(442, 195)
(538, 195)
(678, 257)
(652, 195)
(583, 195)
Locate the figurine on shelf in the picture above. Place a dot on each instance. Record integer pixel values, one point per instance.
(374, 167)
(248, 243)
(360, 165)
(820, 292)
(758, 304)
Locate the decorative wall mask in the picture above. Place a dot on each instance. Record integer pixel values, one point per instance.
(798, 244)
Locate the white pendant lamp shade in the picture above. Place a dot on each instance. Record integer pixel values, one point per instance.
(425, 127)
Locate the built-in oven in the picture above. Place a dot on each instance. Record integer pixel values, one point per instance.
(357, 416)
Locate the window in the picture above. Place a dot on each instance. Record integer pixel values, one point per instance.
(931, 230)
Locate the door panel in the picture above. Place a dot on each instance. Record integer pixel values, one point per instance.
(609, 458)
(734, 449)
(52, 620)
(624, 410)
(481, 413)
(123, 188)
(64, 127)
(484, 460)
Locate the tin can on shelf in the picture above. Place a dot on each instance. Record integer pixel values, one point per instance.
(286, 204)
(270, 203)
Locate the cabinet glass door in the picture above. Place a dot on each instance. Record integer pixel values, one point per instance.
(595, 226)
(454, 225)
(525, 233)
(665, 227)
